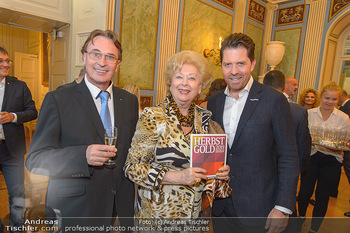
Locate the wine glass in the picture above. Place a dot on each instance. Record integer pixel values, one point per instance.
(111, 140)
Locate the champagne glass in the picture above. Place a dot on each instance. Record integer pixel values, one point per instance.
(111, 140)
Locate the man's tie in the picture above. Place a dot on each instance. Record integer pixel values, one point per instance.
(290, 99)
(105, 116)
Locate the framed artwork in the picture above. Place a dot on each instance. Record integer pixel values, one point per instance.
(337, 6)
(292, 38)
(228, 3)
(256, 11)
(214, 23)
(145, 101)
(139, 25)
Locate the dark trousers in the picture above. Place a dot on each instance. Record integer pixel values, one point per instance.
(346, 164)
(229, 222)
(13, 171)
(325, 170)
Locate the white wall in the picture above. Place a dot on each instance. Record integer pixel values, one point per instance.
(51, 9)
(87, 15)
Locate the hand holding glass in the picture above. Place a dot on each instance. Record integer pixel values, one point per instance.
(111, 140)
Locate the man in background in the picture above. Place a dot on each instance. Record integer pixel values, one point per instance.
(69, 141)
(257, 121)
(276, 80)
(16, 107)
(290, 88)
(344, 103)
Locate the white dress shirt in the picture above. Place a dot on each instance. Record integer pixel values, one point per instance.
(337, 119)
(233, 110)
(95, 91)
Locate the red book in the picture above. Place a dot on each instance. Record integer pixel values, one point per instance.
(208, 151)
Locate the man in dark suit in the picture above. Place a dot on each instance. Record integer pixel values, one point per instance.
(257, 120)
(344, 103)
(68, 143)
(16, 107)
(276, 80)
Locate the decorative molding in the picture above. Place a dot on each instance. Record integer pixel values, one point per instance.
(228, 3)
(110, 15)
(334, 35)
(271, 7)
(337, 6)
(79, 41)
(256, 11)
(87, 9)
(289, 15)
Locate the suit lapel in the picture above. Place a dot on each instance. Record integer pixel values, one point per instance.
(221, 106)
(252, 101)
(8, 91)
(84, 97)
(117, 99)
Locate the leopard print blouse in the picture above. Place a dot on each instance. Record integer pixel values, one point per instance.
(159, 145)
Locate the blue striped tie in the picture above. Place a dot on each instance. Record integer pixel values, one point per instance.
(105, 115)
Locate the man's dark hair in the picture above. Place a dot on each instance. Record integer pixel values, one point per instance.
(3, 50)
(108, 34)
(238, 40)
(275, 79)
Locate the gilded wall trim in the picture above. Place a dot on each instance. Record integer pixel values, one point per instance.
(328, 67)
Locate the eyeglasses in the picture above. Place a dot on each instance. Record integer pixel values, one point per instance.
(8, 61)
(94, 55)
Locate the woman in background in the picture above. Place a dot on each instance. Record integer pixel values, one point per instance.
(309, 99)
(325, 164)
(159, 157)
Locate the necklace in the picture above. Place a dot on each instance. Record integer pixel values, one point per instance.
(185, 121)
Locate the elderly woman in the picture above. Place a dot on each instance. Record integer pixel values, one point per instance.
(325, 164)
(159, 157)
(309, 99)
